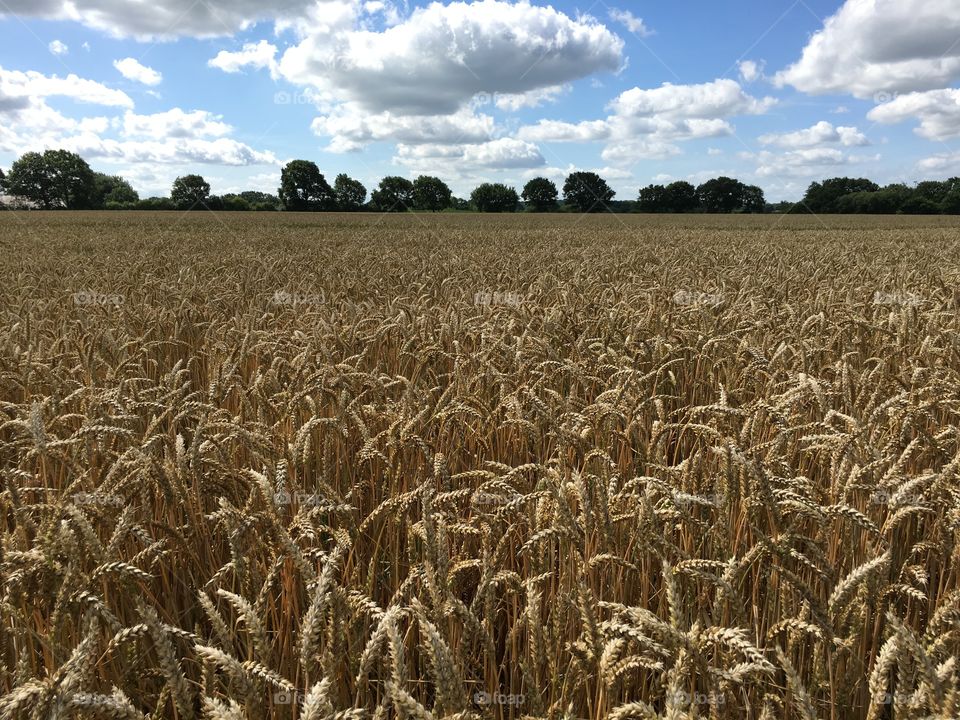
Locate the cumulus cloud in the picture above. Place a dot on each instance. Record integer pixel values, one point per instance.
(351, 128)
(872, 46)
(257, 56)
(530, 99)
(558, 131)
(34, 85)
(631, 22)
(175, 123)
(646, 123)
(132, 69)
(751, 70)
(937, 110)
(167, 19)
(442, 56)
(942, 165)
(823, 133)
(58, 48)
(806, 162)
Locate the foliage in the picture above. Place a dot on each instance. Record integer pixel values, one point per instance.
(541, 195)
(350, 193)
(190, 192)
(53, 179)
(303, 188)
(494, 198)
(587, 192)
(394, 194)
(431, 194)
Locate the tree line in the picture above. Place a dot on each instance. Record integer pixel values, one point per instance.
(62, 179)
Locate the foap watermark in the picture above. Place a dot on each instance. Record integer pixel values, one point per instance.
(484, 499)
(102, 499)
(485, 699)
(881, 496)
(486, 298)
(287, 98)
(303, 500)
(689, 298)
(286, 697)
(903, 299)
(885, 96)
(685, 699)
(292, 299)
(92, 297)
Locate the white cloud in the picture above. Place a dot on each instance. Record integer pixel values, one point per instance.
(558, 131)
(751, 70)
(937, 110)
(805, 162)
(503, 153)
(720, 98)
(351, 128)
(822, 133)
(58, 48)
(440, 57)
(530, 99)
(167, 19)
(33, 85)
(645, 123)
(873, 46)
(631, 22)
(945, 164)
(131, 69)
(175, 123)
(713, 152)
(257, 55)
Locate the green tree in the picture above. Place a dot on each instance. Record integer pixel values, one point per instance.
(189, 191)
(55, 179)
(394, 194)
(431, 194)
(350, 193)
(822, 197)
(752, 200)
(260, 200)
(951, 203)
(541, 194)
(721, 195)
(494, 198)
(653, 199)
(304, 189)
(112, 190)
(681, 197)
(587, 192)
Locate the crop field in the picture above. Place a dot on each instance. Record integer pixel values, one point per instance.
(368, 467)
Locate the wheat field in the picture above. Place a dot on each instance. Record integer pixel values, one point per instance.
(358, 466)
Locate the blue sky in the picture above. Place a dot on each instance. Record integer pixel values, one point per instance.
(777, 93)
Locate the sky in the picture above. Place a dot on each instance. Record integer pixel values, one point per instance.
(777, 93)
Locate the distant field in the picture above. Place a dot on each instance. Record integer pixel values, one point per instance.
(365, 466)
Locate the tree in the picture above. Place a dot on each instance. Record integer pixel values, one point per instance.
(350, 193)
(951, 203)
(752, 199)
(260, 200)
(721, 195)
(394, 194)
(681, 197)
(494, 198)
(587, 192)
(431, 194)
(822, 197)
(55, 179)
(541, 194)
(112, 190)
(304, 189)
(653, 199)
(189, 191)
